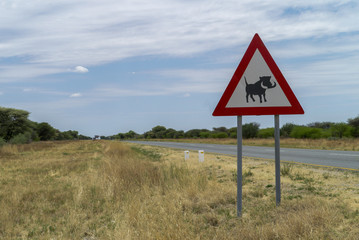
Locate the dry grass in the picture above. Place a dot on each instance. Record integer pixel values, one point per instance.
(345, 144)
(111, 190)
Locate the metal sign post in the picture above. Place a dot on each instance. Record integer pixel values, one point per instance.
(277, 159)
(239, 166)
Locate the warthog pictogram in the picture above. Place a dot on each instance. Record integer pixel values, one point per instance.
(259, 88)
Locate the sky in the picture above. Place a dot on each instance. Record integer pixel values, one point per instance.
(104, 67)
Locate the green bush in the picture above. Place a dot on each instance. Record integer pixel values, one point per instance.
(286, 129)
(340, 130)
(232, 132)
(250, 130)
(2, 141)
(220, 135)
(233, 135)
(21, 138)
(307, 132)
(266, 133)
(204, 134)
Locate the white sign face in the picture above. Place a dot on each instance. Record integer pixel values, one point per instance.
(258, 87)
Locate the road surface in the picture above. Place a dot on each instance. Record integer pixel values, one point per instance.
(338, 159)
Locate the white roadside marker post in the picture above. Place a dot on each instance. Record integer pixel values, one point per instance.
(186, 155)
(201, 155)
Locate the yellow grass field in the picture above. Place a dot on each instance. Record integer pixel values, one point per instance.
(113, 190)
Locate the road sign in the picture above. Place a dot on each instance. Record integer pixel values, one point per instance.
(257, 87)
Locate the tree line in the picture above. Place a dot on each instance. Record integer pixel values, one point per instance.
(16, 128)
(315, 130)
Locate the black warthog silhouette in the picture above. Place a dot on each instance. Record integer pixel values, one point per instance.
(259, 88)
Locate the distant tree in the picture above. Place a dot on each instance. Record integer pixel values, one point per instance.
(45, 131)
(130, 135)
(286, 129)
(322, 125)
(206, 134)
(179, 134)
(13, 122)
(170, 133)
(194, 133)
(232, 132)
(149, 135)
(159, 131)
(220, 129)
(340, 130)
(120, 136)
(354, 122)
(250, 130)
(67, 135)
(83, 137)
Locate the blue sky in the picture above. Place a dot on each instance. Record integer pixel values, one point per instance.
(103, 67)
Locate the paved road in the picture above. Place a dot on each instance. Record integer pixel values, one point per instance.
(339, 159)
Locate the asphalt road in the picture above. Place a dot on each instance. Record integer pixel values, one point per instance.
(338, 159)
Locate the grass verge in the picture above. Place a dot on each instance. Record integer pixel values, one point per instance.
(111, 190)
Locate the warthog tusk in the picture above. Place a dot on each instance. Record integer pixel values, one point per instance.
(264, 87)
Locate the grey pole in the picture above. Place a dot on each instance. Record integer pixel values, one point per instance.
(277, 159)
(239, 166)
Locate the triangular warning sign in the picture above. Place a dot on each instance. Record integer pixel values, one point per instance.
(257, 87)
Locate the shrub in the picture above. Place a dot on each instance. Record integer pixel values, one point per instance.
(2, 141)
(233, 132)
(286, 129)
(286, 169)
(341, 130)
(266, 133)
(220, 135)
(307, 132)
(250, 130)
(205, 134)
(21, 138)
(233, 135)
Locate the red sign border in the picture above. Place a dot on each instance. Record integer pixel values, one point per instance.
(221, 109)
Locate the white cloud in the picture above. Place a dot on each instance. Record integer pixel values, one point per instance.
(80, 69)
(76, 95)
(26, 72)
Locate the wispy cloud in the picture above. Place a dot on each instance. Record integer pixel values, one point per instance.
(76, 95)
(172, 81)
(53, 36)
